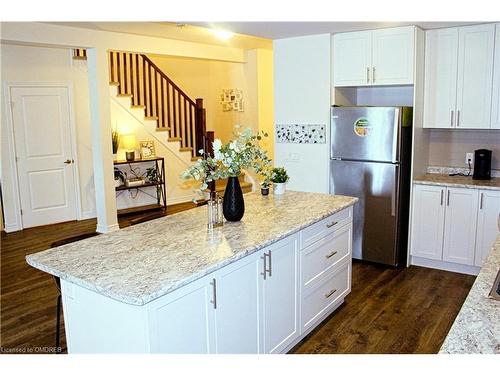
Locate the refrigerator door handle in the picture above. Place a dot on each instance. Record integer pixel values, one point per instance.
(395, 190)
(395, 136)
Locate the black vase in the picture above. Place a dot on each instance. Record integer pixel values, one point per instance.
(233, 206)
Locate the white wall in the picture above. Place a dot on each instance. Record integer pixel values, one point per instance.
(23, 64)
(302, 96)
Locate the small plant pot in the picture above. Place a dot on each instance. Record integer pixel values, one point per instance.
(264, 191)
(279, 188)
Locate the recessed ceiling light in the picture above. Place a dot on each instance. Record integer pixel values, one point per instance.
(222, 34)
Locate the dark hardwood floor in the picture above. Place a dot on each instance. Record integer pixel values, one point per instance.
(391, 310)
(388, 311)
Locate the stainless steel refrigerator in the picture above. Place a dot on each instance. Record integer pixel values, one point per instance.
(370, 159)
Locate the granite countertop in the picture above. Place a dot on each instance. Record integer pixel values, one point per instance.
(477, 326)
(457, 181)
(138, 264)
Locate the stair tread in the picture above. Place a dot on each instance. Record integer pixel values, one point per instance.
(114, 83)
(151, 118)
(139, 106)
(165, 129)
(174, 139)
(124, 95)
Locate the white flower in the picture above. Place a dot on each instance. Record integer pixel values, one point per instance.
(217, 144)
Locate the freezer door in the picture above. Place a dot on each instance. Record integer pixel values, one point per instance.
(375, 215)
(365, 133)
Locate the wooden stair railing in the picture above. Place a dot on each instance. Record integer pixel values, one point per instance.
(150, 88)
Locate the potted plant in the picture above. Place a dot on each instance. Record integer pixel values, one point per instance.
(279, 179)
(266, 174)
(119, 177)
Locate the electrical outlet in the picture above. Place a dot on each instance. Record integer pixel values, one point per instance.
(469, 158)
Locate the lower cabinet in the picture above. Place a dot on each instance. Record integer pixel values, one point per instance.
(488, 224)
(262, 303)
(454, 225)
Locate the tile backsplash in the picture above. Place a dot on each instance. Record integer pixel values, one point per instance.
(447, 148)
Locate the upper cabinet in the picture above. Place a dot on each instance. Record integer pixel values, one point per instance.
(495, 112)
(458, 77)
(374, 58)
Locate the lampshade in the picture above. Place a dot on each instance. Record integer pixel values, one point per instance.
(128, 141)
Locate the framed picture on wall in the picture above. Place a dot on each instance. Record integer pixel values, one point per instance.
(147, 149)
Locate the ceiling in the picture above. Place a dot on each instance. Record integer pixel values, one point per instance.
(248, 35)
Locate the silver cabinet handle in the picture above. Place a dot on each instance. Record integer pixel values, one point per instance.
(329, 294)
(214, 291)
(481, 201)
(331, 254)
(264, 258)
(448, 199)
(442, 191)
(451, 120)
(368, 75)
(332, 224)
(373, 74)
(458, 118)
(270, 264)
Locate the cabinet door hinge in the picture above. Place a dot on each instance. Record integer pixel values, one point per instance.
(21, 212)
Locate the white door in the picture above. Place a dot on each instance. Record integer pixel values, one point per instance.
(237, 308)
(475, 75)
(428, 221)
(41, 122)
(352, 58)
(488, 224)
(440, 90)
(185, 324)
(280, 295)
(460, 225)
(495, 110)
(392, 58)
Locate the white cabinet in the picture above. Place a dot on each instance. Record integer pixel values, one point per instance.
(236, 293)
(392, 56)
(352, 58)
(454, 225)
(376, 57)
(428, 221)
(441, 51)
(185, 321)
(488, 224)
(495, 110)
(280, 293)
(458, 77)
(460, 225)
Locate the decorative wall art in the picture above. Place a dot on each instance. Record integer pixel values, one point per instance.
(301, 133)
(147, 149)
(232, 100)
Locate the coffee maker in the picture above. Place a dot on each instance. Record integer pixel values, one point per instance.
(482, 165)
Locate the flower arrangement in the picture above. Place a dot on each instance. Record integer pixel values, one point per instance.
(229, 159)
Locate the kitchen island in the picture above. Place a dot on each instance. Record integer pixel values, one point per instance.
(477, 326)
(169, 286)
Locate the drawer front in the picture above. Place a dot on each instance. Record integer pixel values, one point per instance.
(324, 227)
(318, 298)
(325, 254)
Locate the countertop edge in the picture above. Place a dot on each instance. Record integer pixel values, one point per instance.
(195, 276)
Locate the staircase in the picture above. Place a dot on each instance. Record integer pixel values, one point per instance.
(142, 87)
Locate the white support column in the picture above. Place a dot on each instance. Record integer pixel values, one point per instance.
(102, 154)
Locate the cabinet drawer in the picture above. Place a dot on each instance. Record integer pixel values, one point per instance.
(325, 254)
(319, 297)
(324, 227)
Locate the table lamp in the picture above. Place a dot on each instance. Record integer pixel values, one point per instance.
(128, 142)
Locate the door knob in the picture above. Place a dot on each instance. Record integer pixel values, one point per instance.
(68, 161)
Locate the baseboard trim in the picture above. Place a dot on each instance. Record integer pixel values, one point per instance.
(183, 199)
(9, 228)
(107, 228)
(445, 266)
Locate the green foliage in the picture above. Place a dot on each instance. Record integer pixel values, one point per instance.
(229, 159)
(279, 175)
(152, 175)
(119, 175)
(115, 139)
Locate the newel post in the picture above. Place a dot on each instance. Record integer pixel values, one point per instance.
(200, 126)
